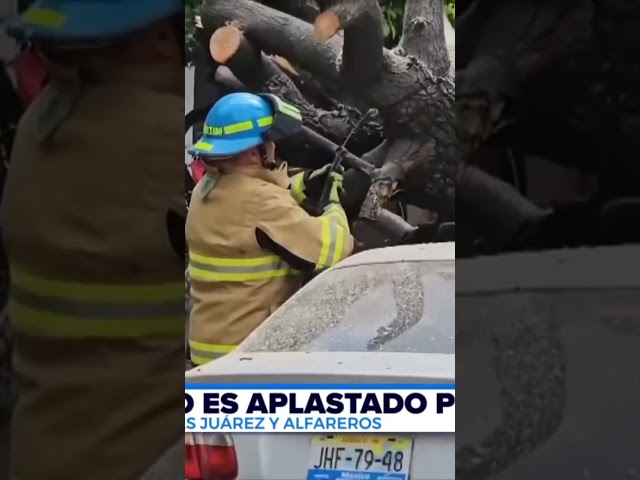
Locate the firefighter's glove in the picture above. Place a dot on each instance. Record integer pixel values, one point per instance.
(310, 184)
(337, 190)
(318, 177)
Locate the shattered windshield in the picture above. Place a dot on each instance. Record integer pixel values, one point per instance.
(393, 307)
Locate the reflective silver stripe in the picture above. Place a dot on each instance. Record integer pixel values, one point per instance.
(330, 240)
(275, 265)
(336, 212)
(197, 354)
(333, 233)
(91, 309)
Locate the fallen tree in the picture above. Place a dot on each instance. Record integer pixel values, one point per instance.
(328, 59)
(554, 83)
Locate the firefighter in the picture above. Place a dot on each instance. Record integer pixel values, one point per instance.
(92, 207)
(248, 238)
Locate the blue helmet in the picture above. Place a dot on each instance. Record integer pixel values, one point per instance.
(237, 122)
(90, 20)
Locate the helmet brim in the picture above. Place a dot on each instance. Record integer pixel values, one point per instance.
(74, 21)
(222, 147)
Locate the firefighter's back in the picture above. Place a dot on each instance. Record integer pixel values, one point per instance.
(235, 284)
(94, 300)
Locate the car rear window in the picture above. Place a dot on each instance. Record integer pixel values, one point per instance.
(398, 307)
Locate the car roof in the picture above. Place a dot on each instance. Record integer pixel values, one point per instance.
(594, 268)
(586, 268)
(404, 253)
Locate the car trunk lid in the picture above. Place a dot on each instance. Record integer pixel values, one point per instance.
(289, 456)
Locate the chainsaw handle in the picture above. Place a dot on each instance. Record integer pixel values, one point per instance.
(341, 153)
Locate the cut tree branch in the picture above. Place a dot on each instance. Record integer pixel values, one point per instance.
(276, 33)
(226, 77)
(363, 45)
(315, 92)
(229, 47)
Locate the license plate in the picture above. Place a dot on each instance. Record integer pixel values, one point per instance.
(360, 457)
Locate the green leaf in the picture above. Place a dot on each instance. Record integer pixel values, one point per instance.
(385, 29)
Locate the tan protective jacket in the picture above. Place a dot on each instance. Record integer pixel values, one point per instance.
(235, 284)
(97, 293)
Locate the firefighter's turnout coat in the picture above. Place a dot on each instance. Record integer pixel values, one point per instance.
(97, 296)
(235, 282)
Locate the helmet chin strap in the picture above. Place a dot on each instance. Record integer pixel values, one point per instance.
(268, 155)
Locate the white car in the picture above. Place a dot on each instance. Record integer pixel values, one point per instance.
(381, 316)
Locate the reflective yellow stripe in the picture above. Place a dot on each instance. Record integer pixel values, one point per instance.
(29, 320)
(46, 17)
(332, 243)
(70, 309)
(199, 361)
(336, 212)
(339, 248)
(292, 112)
(203, 146)
(201, 353)
(288, 109)
(235, 262)
(215, 269)
(97, 292)
(328, 228)
(237, 127)
(297, 187)
(265, 122)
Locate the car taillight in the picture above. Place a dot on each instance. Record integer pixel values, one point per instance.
(209, 456)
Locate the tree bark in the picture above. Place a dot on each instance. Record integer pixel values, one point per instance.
(363, 45)
(306, 10)
(423, 35)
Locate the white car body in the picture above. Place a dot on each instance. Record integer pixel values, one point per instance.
(548, 349)
(286, 456)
